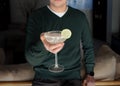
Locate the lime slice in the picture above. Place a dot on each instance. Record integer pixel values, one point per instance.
(66, 33)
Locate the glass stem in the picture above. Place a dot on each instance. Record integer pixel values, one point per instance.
(56, 60)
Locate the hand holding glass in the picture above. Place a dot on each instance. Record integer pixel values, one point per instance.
(54, 37)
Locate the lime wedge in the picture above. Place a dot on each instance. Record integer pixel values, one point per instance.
(66, 33)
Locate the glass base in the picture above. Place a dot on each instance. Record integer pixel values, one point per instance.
(54, 69)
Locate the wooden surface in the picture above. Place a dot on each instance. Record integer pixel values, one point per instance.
(22, 83)
(107, 83)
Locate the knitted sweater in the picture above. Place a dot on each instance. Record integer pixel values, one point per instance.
(43, 20)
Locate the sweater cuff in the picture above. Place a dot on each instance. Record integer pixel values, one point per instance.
(89, 69)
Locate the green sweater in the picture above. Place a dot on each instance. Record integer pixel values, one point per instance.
(43, 20)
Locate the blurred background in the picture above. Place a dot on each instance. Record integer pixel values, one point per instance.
(103, 17)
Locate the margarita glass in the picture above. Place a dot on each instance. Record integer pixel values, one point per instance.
(54, 37)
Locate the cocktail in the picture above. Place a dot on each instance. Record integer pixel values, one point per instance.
(54, 37)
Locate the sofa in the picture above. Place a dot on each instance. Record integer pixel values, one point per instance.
(107, 64)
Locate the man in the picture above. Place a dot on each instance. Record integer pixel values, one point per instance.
(39, 53)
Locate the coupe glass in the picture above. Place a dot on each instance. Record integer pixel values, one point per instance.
(54, 37)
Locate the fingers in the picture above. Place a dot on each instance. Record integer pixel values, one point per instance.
(89, 81)
(42, 37)
(56, 48)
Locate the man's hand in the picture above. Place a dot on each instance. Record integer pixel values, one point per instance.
(53, 48)
(89, 81)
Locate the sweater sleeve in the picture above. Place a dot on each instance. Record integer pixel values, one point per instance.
(87, 44)
(35, 52)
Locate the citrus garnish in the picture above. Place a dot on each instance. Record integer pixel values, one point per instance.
(66, 33)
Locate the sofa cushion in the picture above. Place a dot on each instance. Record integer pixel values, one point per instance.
(17, 72)
(105, 67)
(107, 50)
(105, 64)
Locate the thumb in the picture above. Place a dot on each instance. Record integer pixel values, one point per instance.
(42, 36)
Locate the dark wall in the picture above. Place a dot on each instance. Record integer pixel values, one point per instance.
(4, 14)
